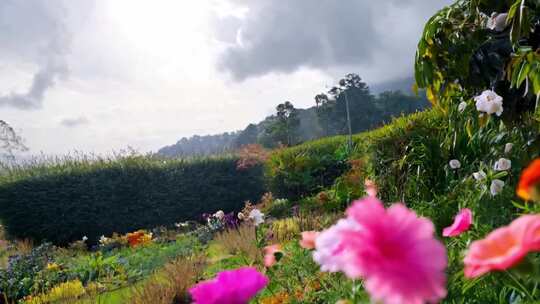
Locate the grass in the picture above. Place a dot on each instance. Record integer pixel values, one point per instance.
(242, 241)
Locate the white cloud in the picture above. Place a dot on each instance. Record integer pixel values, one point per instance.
(144, 73)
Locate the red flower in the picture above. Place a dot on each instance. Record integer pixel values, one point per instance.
(529, 181)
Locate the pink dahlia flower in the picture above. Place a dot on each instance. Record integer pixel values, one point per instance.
(329, 247)
(308, 239)
(230, 287)
(392, 249)
(503, 247)
(270, 254)
(462, 223)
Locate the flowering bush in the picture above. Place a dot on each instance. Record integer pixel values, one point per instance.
(138, 238)
(70, 290)
(17, 281)
(251, 155)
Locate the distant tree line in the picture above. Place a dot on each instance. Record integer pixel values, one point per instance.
(290, 126)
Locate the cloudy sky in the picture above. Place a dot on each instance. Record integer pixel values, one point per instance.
(101, 75)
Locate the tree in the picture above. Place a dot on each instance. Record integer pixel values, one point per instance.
(362, 109)
(281, 128)
(324, 109)
(10, 142)
(288, 122)
(248, 136)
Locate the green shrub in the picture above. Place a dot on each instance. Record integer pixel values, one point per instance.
(311, 167)
(306, 169)
(279, 208)
(66, 201)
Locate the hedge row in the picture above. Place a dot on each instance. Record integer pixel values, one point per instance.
(64, 202)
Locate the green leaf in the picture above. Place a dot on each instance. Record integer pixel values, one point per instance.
(500, 174)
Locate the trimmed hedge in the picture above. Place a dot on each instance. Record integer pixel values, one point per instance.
(61, 203)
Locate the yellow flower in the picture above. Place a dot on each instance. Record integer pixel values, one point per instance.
(53, 267)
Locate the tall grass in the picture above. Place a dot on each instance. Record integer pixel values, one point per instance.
(241, 241)
(170, 286)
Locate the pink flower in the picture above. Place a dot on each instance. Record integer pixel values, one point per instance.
(229, 287)
(308, 239)
(503, 247)
(270, 254)
(462, 223)
(371, 187)
(393, 250)
(329, 246)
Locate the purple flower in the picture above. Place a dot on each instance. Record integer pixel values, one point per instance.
(231, 221)
(230, 287)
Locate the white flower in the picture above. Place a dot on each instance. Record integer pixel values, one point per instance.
(84, 238)
(180, 225)
(489, 102)
(508, 148)
(220, 214)
(103, 240)
(496, 186)
(497, 22)
(257, 216)
(455, 164)
(502, 164)
(480, 175)
(241, 216)
(462, 106)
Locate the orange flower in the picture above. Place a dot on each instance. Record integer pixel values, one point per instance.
(503, 247)
(270, 254)
(138, 238)
(308, 239)
(529, 182)
(279, 298)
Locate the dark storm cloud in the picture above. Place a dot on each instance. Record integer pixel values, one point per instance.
(281, 36)
(33, 31)
(74, 122)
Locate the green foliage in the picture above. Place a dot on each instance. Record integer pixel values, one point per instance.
(284, 127)
(305, 169)
(279, 208)
(65, 201)
(459, 55)
(311, 167)
(296, 278)
(126, 265)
